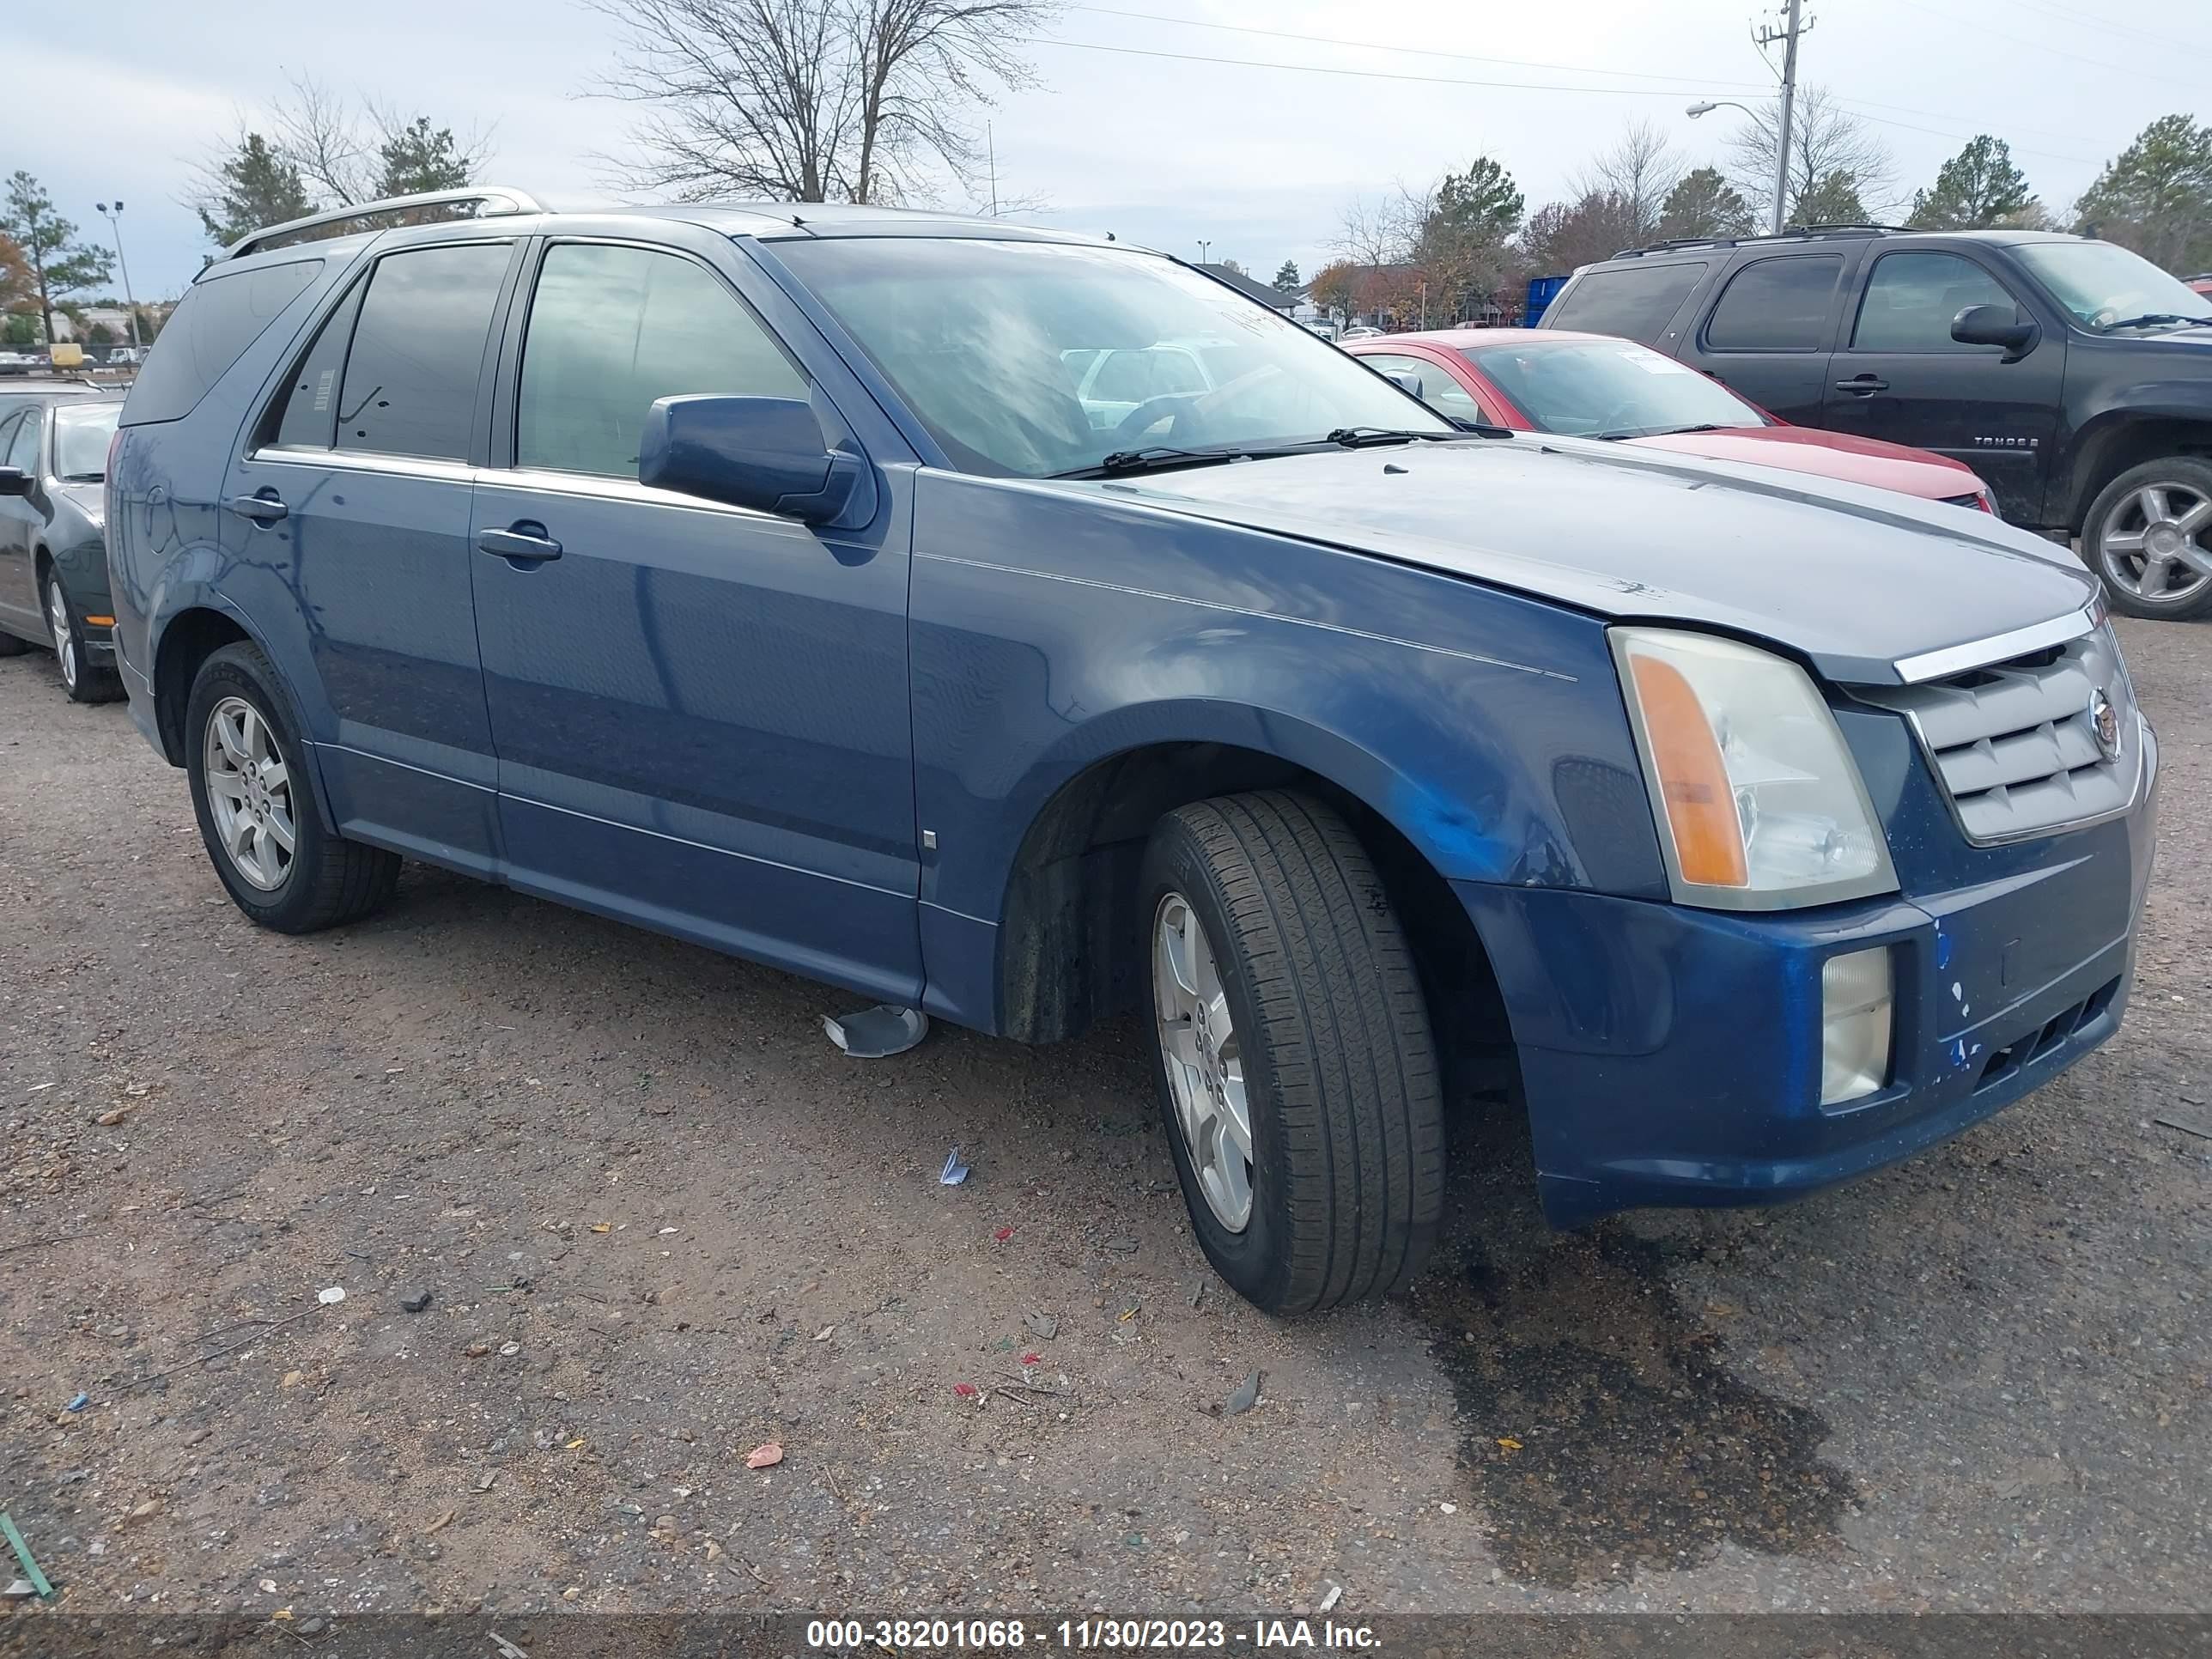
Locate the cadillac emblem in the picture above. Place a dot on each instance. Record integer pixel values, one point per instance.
(2105, 721)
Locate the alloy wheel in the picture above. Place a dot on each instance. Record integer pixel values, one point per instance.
(58, 620)
(249, 790)
(1204, 1061)
(2157, 544)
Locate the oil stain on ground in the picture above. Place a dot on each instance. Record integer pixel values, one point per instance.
(1604, 1432)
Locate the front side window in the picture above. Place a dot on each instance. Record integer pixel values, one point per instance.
(80, 435)
(611, 330)
(409, 386)
(1608, 389)
(1635, 301)
(23, 448)
(1776, 305)
(1912, 297)
(2106, 286)
(1438, 390)
(217, 320)
(978, 338)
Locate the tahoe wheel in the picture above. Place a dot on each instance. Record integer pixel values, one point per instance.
(256, 809)
(84, 682)
(2148, 537)
(1295, 1070)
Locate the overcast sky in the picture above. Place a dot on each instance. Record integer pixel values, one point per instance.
(1141, 140)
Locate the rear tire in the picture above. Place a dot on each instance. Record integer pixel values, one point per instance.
(1318, 1028)
(2147, 535)
(251, 790)
(12, 646)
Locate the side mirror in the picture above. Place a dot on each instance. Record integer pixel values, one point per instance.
(767, 453)
(1997, 325)
(13, 481)
(1405, 380)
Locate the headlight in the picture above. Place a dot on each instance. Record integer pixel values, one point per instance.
(1760, 806)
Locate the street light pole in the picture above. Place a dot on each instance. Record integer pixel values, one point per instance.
(114, 217)
(1203, 245)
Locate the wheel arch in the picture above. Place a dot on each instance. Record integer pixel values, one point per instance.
(1069, 944)
(2126, 437)
(181, 648)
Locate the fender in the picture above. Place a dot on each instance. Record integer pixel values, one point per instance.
(1048, 637)
(2078, 473)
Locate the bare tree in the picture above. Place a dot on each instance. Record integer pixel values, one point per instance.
(1637, 175)
(318, 133)
(1825, 140)
(811, 100)
(356, 150)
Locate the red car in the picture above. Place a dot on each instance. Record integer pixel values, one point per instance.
(1593, 386)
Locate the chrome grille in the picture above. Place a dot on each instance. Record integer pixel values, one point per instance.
(2015, 744)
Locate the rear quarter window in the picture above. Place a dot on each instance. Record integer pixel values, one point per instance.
(1634, 301)
(218, 319)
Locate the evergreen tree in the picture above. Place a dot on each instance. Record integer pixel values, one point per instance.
(60, 264)
(1704, 204)
(256, 186)
(2155, 197)
(1977, 188)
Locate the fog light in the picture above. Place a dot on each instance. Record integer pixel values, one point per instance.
(1855, 1005)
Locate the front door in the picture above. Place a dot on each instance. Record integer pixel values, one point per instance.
(357, 491)
(1900, 376)
(20, 611)
(700, 710)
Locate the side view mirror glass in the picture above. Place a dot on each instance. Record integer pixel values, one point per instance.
(767, 453)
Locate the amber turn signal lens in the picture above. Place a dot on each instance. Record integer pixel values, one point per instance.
(1693, 782)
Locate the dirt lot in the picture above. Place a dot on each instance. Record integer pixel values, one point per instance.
(662, 1221)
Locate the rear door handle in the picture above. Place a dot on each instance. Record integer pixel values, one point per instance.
(525, 541)
(262, 510)
(1864, 383)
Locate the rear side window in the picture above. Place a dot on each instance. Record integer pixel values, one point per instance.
(1635, 301)
(1776, 305)
(410, 385)
(306, 414)
(210, 330)
(614, 329)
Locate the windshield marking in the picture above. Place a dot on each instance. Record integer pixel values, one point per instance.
(1242, 610)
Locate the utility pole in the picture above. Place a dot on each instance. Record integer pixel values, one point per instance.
(1767, 37)
(114, 218)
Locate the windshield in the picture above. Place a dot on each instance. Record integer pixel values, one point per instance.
(2102, 284)
(1609, 389)
(80, 435)
(1034, 358)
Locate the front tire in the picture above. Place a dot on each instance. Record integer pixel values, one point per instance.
(2148, 537)
(1292, 1053)
(65, 629)
(256, 810)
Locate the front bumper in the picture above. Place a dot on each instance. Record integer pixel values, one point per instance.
(1672, 1056)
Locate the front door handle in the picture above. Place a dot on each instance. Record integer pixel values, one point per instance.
(264, 509)
(525, 541)
(1864, 385)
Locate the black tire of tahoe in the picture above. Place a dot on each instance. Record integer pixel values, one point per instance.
(2191, 473)
(12, 646)
(1342, 1082)
(331, 880)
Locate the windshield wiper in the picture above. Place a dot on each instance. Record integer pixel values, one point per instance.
(1662, 432)
(1156, 458)
(1358, 437)
(2149, 317)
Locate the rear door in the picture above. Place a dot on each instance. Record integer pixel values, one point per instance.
(1640, 301)
(358, 484)
(1768, 335)
(701, 709)
(1899, 375)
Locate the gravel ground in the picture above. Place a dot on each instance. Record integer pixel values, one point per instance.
(662, 1222)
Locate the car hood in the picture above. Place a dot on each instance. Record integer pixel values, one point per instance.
(1856, 579)
(1828, 455)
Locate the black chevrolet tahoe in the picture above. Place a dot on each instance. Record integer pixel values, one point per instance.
(2073, 375)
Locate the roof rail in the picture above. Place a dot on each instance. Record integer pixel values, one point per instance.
(1792, 233)
(480, 200)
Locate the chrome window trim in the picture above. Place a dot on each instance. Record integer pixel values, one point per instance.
(366, 460)
(1952, 660)
(597, 485)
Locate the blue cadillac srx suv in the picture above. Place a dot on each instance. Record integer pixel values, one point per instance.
(782, 578)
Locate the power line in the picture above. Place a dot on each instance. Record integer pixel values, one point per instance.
(2067, 52)
(1456, 81)
(2083, 20)
(1415, 51)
